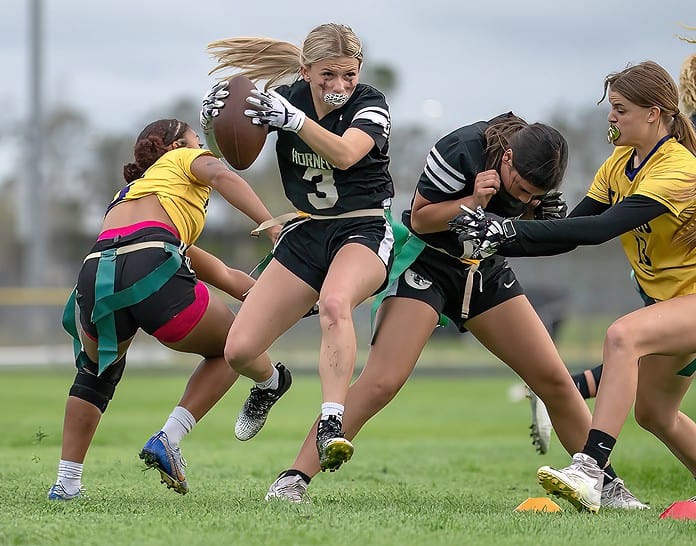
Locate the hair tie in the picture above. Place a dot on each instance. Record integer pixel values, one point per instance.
(676, 114)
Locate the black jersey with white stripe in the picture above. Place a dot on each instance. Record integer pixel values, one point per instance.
(449, 174)
(314, 185)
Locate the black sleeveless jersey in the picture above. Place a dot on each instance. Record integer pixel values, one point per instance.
(449, 174)
(314, 185)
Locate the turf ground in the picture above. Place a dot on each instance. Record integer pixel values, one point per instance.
(445, 463)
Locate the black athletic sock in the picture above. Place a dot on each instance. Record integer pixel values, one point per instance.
(587, 381)
(599, 445)
(295, 472)
(609, 475)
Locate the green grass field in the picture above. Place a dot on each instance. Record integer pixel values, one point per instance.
(445, 463)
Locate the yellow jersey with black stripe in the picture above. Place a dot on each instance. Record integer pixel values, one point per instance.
(663, 268)
(181, 194)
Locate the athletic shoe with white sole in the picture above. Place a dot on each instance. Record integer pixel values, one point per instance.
(291, 488)
(254, 413)
(58, 493)
(580, 483)
(541, 427)
(616, 495)
(333, 448)
(160, 455)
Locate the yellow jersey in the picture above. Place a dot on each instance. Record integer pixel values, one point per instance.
(181, 194)
(662, 268)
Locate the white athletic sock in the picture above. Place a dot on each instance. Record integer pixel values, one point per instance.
(69, 476)
(332, 408)
(272, 382)
(178, 425)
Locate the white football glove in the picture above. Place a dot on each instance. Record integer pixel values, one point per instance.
(212, 102)
(269, 108)
(210, 108)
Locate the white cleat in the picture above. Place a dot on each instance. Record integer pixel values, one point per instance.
(616, 495)
(541, 427)
(580, 483)
(289, 488)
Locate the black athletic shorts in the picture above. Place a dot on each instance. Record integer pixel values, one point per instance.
(155, 313)
(307, 247)
(439, 280)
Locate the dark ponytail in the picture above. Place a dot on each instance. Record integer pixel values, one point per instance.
(540, 155)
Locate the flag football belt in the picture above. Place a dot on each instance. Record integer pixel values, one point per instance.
(284, 218)
(407, 248)
(107, 301)
(469, 283)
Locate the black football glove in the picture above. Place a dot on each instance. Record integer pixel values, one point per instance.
(551, 207)
(481, 233)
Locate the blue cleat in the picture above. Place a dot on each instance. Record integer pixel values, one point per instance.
(159, 454)
(58, 493)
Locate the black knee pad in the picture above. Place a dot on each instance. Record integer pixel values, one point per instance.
(98, 390)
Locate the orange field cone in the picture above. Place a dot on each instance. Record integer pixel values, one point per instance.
(538, 504)
(680, 510)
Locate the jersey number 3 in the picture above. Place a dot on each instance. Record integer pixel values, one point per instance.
(326, 194)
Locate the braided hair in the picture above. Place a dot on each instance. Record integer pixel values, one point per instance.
(152, 143)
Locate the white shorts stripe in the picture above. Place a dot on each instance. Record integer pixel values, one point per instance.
(385, 247)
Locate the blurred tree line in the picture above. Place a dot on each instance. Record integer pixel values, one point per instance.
(83, 170)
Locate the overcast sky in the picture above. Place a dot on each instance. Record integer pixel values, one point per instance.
(457, 61)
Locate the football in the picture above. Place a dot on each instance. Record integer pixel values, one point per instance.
(239, 140)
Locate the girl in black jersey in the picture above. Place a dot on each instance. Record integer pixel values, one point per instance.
(504, 165)
(645, 194)
(332, 144)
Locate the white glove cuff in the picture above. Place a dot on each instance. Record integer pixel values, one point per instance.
(296, 123)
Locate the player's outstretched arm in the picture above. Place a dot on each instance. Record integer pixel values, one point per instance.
(212, 270)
